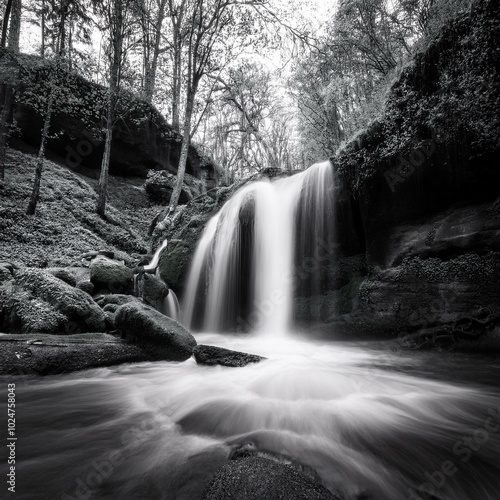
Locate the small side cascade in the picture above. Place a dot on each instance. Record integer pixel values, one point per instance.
(170, 306)
(149, 286)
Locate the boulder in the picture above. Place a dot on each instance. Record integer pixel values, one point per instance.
(110, 276)
(257, 478)
(37, 301)
(159, 335)
(212, 355)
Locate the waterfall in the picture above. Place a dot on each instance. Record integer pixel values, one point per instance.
(268, 243)
(170, 306)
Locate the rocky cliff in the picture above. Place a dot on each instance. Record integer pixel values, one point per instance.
(142, 139)
(418, 200)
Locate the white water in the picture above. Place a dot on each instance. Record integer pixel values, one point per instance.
(348, 411)
(156, 257)
(170, 306)
(244, 271)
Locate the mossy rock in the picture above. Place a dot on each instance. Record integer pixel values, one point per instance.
(37, 301)
(173, 265)
(86, 286)
(64, 275)
(154, 290)
(111, 276)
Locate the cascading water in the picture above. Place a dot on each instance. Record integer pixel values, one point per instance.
(268, 241)
(170, 306)
(373, 423)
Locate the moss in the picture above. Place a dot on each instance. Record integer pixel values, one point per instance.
(469, 268)
(74, 304)
(111, 276)
(66, 225)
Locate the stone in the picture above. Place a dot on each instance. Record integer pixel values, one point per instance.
(64, 275)
(159, 335)
(86, 286)
(257, 478)
(116, 299)
(212, 355)
(109, 276)
(153, 290)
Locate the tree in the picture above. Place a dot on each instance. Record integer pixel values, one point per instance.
(11, 26)
(53, 92)
(119, 24)
(205, 22)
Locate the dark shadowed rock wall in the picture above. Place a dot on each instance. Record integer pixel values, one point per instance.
(418, 197)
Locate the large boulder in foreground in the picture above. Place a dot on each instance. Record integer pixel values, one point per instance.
(36, 301)
(211, 355)
(158, 334)
(257, 478)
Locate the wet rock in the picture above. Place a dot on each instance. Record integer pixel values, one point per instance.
(257, 478)
(109, 276)
(42, 354)
(37, 301)
(153, 290)
(159, 335)
(212, 355)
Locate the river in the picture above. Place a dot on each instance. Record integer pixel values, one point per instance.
(374, 423)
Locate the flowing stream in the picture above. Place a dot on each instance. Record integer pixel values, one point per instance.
(373, 423)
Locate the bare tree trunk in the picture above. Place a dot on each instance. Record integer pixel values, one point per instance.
(42, 47)
(35, 194)
(186, 141)
(103, 178)
(15, 26)
(151, 67)
(7, 101)
(5, 24)
(114, 84)
(177, 82)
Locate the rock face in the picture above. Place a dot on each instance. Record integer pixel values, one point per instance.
(36, 301)
(211, 355)
(257, 478)
(142, 140)
(157, 334)
(418, 196)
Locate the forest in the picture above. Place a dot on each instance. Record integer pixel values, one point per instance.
(250, 249)
(254, 84)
